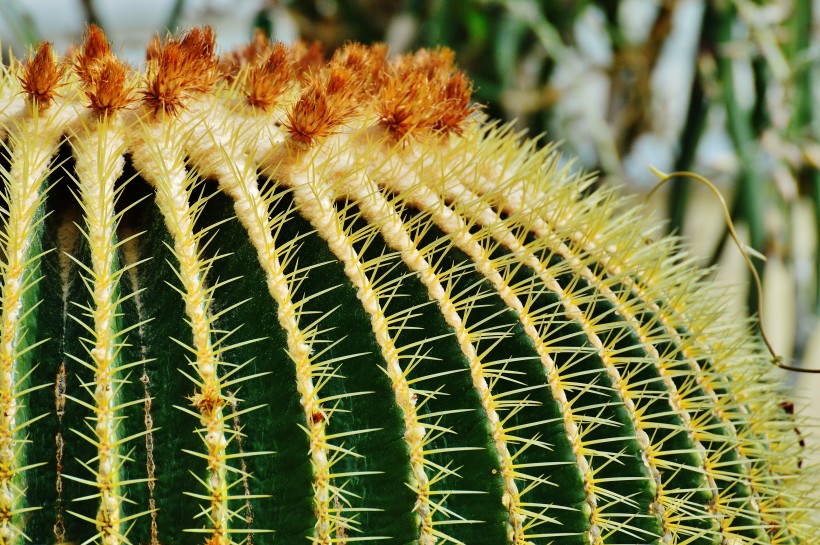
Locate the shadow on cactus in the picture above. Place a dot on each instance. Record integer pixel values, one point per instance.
(275, 298)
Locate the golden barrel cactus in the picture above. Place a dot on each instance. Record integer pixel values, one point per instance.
(273, 298)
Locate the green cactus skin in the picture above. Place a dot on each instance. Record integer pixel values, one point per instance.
(220, 327)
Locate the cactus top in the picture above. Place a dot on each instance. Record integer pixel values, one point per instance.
(274, 298)
(417, 93)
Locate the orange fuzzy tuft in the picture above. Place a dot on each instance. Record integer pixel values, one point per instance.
(103, 75)
(109, 91)
(435, 63)
(367, 62)
(179, 69)
(423, 93)
(342, 83)
(267, 81)
(200, 45)
(400, 104)
(456, 106)
(41, 77)
(325, 104)
(207, 402)
(95, 48)
(154, 49)
(307, 57)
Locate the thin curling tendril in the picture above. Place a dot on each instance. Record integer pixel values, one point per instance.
(777, 359)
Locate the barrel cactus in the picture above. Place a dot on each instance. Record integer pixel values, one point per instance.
(272, 298)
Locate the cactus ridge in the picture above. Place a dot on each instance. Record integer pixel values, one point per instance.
(268, 298)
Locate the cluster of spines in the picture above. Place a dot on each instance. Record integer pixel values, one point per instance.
(100, 163)
(417, 96)
(314, 370)
(700, 393)
(20, 208)
(160, 158)
(578, 250)
(384, 214)
(316, 199)
(524, 516)
(98, 149)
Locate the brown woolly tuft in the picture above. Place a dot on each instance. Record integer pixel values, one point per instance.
(182, 67)
(367, 62)
(94, 49)
(403, 104)
(253, 53)
(325, 104)
(436, 63)
(200, 45)
(154, 49)
(456, 106)
(208, 402)
(268, 80)
(41, 77)
(109, 91)
(102, 74)
(342, 83)
(307, 57)
(423, 93)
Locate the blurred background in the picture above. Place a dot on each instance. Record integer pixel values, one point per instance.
(726, 88)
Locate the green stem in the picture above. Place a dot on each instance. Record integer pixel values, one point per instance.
(801, 22)
(176, 13)
(815, 198)
(91, 16)
(804, 112)
(690, 137)
(750, 182)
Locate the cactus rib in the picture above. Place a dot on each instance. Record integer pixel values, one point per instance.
(99, 163)
(31, 144)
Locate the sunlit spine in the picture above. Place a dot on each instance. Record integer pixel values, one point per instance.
(100, 162)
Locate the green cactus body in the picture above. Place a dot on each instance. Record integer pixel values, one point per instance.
(330, 302)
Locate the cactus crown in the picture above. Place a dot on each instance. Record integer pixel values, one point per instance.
(272, 297)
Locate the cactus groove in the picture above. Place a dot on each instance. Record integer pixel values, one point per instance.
(272, 298)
